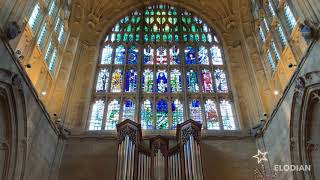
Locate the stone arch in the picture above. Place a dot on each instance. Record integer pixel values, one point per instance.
(13, 126)
(304, 142)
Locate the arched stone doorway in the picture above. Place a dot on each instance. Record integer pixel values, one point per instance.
(304, 126)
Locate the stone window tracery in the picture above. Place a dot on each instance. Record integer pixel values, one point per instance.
(163, 66)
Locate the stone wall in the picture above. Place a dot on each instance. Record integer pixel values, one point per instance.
(30, 133)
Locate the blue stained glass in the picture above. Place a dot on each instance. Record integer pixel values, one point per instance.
(148, 56)
(190, 55)
(216, 56)
(203, 57)
(195, 111)
(106, 55)
(162, 115)
(192, 81)
(112, 115)
(120, 55)
(177, 113)
(128, 110)
(174, 55)
(133, 55)
(131, 80)
(162, 81)
(146, 115)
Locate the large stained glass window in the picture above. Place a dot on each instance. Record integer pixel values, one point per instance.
(96, 115)
(159, 66)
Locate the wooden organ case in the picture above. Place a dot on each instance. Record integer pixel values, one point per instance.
(159, 162)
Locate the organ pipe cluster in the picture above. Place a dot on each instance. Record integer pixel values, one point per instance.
(159, 162)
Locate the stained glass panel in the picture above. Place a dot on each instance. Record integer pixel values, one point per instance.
(227, 115)
(116, 81)
(112, 115)
(190, 55)
(128, 110)
(161, 55)
(102, 81)
(148, 56)
(175, 81)
(162, 81)
(106, 55)
(133, 55)
(162, 115)
(120, 55)
(174, 55)
(177, 113)
(131, 80)
(146, 115)
(203, 57)
(195, 110)
(216, 56)
(207, 85)
(211, 115)
(147, 81)
(192, 81)
(96, 115)
(221, 81)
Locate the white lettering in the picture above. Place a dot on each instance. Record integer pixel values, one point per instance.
(291, 167)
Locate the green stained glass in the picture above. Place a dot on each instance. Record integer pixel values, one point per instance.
(138, 19)
(161, 6)
(193, 28)
(170, 37)
(183, 19)
(163, 13)
(131, 37)
(146, 29)
(164, 37)
(176, 29)
(191, 37)
(167, 28)
(188, 20)
(174, 12)
(185, 38)
(184, 29)
(151, 12)
(155, 28)
(170, 20)
(117, 28)
(169, 12)
(151, 20)
(158, 37)
(163, 20)
(146, 12)
(137, 28)
(158, 13)
(133, 19)
(159, 20)
(137, 37)
(125, 37)
(175, 20)
(118, 37)
(129, 28)
(176, 38)
(147, 20)
(197, 37)
(204, 38)
(152, 38)
(146, 38)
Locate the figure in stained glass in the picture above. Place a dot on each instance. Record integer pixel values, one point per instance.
(175, 81)
(128, 110)
(195, 111)
(203, 57)
(161, 55)
(131, 80)
(190, 55)
(102, 81)
(148, 56)
(211, 115)
(207, 86)
(162, 81)
(162, 115)
(112, 115)
(147, 81)
(174, 55)
(116, 81)
(192, 81)
(146, 115)
(106, 55)
(177, 113)
(221, 81)
(216, 56)
(133, 55)
(120, 55)
(227, 115)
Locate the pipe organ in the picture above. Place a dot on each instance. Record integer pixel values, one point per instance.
(158, 161)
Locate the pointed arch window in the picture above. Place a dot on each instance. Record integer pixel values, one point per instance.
(161, 65)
